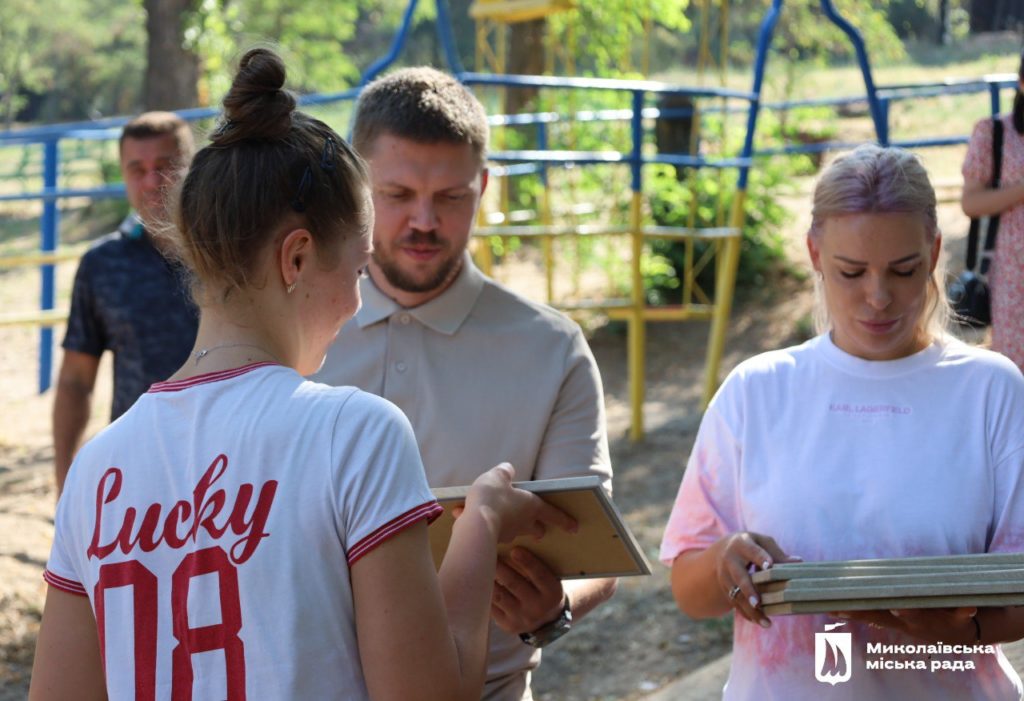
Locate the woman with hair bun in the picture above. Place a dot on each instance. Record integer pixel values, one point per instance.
(981, 199)
(882, 437)
(241, 532)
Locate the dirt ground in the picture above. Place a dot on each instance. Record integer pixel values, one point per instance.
(634, 644)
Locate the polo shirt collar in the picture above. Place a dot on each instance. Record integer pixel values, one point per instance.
(132, 228)
(444, 314)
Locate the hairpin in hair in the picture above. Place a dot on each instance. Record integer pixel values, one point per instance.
(327, 157)
(327, 164)
(226, 125)
(299, 202)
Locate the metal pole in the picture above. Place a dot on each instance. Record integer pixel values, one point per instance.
(993, 92)
(396, 46)
(547, 243)
(48, 244)
(447, 38)
(881, 129)
(636, 334)
(883, 111)
(728, 252)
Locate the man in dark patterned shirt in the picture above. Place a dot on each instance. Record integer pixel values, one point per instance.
(128, 297)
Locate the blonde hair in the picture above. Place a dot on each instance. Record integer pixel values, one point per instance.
(874, 179)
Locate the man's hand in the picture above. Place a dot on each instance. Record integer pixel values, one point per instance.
(527, 594)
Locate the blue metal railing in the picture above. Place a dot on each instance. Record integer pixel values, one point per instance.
(764, 39)
(48, 225)
(50, 138)
(520, 162)
(512, 162)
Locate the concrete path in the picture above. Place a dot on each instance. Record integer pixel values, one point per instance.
(705, 684)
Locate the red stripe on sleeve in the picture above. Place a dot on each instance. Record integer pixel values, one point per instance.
(429, 511)
(64, 584)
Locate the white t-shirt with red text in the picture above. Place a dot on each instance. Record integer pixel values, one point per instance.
(837, 457)
(213, 527)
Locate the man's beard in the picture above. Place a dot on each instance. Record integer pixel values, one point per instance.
(447, 268)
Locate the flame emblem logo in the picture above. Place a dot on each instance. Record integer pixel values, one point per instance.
(832, 655)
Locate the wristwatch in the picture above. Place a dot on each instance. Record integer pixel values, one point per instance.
(550, 632)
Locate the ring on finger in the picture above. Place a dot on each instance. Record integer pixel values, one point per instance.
(734, 592)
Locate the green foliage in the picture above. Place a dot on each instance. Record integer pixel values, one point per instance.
(602, 51)
(697, 201)
(89, 58)
(817, 121)
(805, 40)
(913, 18)
(20, 30)
(919, 19)
(795, 127)
(704, 198)
(805, 33)
(84, 59)
(311, 34)
(98, 60)
(605, 186)
(327, 44)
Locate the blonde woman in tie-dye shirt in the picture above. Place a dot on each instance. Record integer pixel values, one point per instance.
(882, 437)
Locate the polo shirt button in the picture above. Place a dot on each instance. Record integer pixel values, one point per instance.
(404, 318)
(400, 367)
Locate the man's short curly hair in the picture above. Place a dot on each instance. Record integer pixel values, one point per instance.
(423, 105)
(150, 125)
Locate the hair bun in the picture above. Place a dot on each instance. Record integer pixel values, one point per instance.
(257, 106)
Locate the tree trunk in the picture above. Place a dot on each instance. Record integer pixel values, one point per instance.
(526, 52)
(995, 15)
(943, 36)
(172, 72)
(10, 97)
(980, 15)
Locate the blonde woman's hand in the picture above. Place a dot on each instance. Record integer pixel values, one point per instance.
(740, 554)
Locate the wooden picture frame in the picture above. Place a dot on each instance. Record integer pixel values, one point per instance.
(985, 579)
(602, 547)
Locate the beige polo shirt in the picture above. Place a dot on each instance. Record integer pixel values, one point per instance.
(485, 376)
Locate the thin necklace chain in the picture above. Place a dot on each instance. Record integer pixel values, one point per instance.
(203, 352)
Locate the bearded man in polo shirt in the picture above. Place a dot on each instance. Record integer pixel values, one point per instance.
(484, 375)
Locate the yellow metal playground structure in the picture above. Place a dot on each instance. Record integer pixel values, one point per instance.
(715, 240)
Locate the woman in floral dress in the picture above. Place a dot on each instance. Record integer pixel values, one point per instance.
(980, 199)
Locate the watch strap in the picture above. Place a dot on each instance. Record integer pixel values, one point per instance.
(550, 632)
